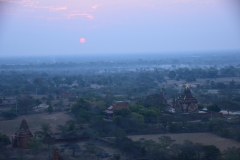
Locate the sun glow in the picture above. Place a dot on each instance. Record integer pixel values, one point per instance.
(82, 40)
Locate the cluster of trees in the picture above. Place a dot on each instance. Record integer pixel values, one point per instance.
(4, 141)
(137, 119)
(194, 73)
(131, 83)
(165, 149)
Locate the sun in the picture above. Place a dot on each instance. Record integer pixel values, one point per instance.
(82, 40)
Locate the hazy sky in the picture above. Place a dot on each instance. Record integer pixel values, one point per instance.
(44, 27)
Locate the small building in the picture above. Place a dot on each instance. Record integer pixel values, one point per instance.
(186, 103)
(65, 94)
(115, 106)
(22, 136)
(55, 154)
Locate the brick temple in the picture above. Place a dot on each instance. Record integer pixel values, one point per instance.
(155, 100)
(22, 136)
(186, 103)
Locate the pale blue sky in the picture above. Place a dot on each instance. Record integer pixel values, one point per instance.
(30, 27)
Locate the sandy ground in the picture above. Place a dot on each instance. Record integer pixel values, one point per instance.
(9, 127)
(204, 138)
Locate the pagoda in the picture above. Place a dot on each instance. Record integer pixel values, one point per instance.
(186, 102)
(22, 136)
(55, 154)
(155, 100)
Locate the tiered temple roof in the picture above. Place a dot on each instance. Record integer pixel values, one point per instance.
(186, 102)
(187, 97)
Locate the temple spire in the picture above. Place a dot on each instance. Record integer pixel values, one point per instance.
(24, 125)
(187, 86)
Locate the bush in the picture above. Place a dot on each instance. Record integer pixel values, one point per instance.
(4, 140)
(174, 128)
(122, 112)
(213, 108)
(211, 152)
(225, 132)
(9, 115)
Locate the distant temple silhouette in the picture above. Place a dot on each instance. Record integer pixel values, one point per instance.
(22, 136)
(55, 154)
(155, 100)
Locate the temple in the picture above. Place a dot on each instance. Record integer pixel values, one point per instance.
(22, 136)
(155, 100)
(55, 154)
(186, 103)
(115, 106)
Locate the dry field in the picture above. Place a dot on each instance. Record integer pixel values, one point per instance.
(9, 127)
(204, 138)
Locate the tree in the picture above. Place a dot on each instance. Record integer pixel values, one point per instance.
(129, 147)
(25, 103)
(150, 115)
(4, 140)
(172, 75)
(37, 102)
(45, 128)
(50, 98)
(188, 150)
(122, 112)
(200, 106)
(117, 120)
(90, 149)
(174, 127)
(211, 152)
(63, 130)
(232, 84)
(165, 141)
(119, 133)
(34, 144)
(137, 119)
(213, 108)
(50, 109)
(217, 124)
(231, 154)
(48, 139)
(9, 114)
(37, 81)
(117, 156)
(71, 125)
(74, 147)
(165, 121)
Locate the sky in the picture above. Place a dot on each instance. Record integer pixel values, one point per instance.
(44, 27)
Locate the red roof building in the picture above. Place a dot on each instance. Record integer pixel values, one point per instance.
(115, 106)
